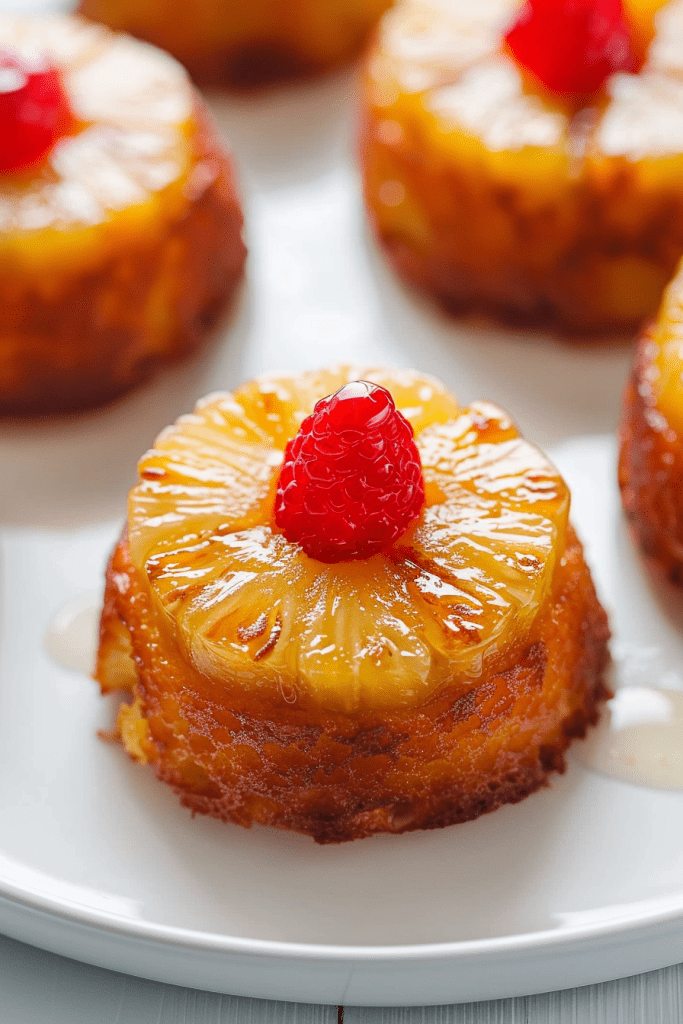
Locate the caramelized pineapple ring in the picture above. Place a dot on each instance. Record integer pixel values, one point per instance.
(237, 43)
(448, 601)
(123, 246)
(651, 457)
(488, 193)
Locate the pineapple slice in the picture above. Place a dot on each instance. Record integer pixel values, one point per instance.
(651, 455)
(241, 44)
(449, 600)
(416, 688)
(120, 249)
(489, 193)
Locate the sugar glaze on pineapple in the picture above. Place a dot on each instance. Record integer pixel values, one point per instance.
(416, 688)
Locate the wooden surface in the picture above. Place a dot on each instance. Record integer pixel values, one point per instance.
(40, 988)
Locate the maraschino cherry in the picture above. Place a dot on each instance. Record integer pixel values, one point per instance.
(572, 46)
(34, 111)
(351, 482)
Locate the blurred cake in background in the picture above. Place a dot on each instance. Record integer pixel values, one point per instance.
(241, 44)
(120, 228)
(527, 161)
(651, 455)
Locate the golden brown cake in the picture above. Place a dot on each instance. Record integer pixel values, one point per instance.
(122, 244)
(418, 687)
(490, 192)
(651, 456)
(230, 42)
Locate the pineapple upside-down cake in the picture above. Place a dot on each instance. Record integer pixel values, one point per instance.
(651, 435)
(344, 604)
(120, 228)
(526, 159)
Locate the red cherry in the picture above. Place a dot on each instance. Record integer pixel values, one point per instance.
(572, 46)
(351, 482)
(34, 111)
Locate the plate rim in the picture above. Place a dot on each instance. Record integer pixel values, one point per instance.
(73, 912)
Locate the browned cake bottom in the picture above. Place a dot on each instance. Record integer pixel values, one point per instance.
(460, 293)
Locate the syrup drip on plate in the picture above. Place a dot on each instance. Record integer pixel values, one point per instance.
(639, 739)
(71, 638)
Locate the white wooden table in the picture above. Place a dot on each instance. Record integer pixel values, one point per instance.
(41, 988)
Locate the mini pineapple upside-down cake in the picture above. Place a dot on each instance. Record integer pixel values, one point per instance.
(241, 44)
(120, 227)
(343, 605)
(651, 436)
(526, 159)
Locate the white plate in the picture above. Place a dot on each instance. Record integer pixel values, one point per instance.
(579, 883)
